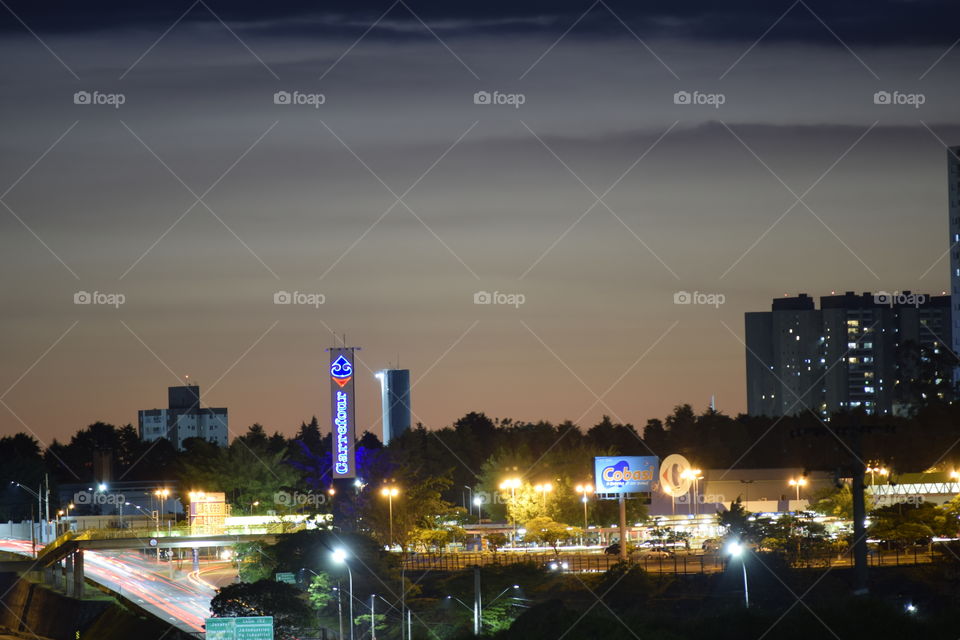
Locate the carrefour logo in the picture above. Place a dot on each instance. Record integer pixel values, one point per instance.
(620, 475)
(341, 371)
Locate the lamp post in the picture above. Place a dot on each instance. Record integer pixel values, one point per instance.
(735, 549)
(798, 482)
(512, 484)
(469, 503)
(543, 489)
(478, 502)
(162, 495)
(584, 490)
(39, 497)
(389, 493)
(340, 557)
(883, 471)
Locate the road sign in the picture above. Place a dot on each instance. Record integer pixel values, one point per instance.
(251, 628)
(289, 578)
(255, 628)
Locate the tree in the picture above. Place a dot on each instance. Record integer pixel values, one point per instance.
(901, 525)
(320, 591)
(497, 540)
(736, 521)
(283, 601)
(837, 502)
(543, 530)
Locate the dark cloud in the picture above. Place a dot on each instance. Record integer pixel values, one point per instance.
(880, 22)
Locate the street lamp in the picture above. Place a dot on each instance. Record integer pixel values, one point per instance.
(584, 490)
(389, 493)
(478, 502)
(340, 557)
(883, 471)
(162, 495)
(512, 484)
(543, 489)
(798, 482)
(735, 549)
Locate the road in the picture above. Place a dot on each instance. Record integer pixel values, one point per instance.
(183, 601)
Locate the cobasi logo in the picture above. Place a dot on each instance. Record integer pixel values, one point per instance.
(620, 474)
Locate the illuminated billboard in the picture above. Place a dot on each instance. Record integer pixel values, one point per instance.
(616, 475)
(342, 412)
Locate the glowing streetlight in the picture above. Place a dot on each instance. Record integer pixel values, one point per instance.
(340, 557)
(735, 549)
(543, 489)
(512, 484)
(797, 482)
(883, 471)
(390, 493)
(584, 490)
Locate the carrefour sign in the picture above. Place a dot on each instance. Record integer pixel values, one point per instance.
(625, 474)
(342, 412)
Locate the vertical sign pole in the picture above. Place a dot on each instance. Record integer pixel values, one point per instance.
(623, 528)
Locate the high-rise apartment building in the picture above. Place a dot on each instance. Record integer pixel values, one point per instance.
(882, 353)
(184, 418)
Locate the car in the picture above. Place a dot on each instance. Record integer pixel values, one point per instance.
(711, 545)
(656, 553)
(556, 564)
(612, 550)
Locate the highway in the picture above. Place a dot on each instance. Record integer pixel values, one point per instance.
(183, 601)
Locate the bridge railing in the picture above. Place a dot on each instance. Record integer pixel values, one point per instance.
(146, 533)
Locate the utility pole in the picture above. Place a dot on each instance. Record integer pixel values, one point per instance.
(477, 611)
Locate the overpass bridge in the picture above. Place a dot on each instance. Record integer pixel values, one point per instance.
(65, 554)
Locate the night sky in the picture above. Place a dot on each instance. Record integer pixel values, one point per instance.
(398, 199)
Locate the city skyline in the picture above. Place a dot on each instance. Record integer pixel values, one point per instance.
(204, 195)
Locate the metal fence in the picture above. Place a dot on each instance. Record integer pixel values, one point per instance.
(679, 564)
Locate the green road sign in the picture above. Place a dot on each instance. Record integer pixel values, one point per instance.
(251, 628)
(286, 577)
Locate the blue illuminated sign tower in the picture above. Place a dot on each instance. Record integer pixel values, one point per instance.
(342, 412)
